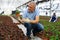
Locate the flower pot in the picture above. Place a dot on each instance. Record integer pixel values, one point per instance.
(17, 14)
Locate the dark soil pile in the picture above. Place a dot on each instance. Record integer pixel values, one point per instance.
(43, 35)
(9, 30)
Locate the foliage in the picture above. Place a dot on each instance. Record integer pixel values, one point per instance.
(17, 11)
(53, 27)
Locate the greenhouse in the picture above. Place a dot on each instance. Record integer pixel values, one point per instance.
(12, 19)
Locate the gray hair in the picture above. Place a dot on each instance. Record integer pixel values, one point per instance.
(32, 3)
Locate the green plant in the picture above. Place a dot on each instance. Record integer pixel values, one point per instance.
(54, 28)
(17, 11)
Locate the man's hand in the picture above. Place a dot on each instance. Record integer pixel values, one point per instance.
(26, 20)
(20, 20)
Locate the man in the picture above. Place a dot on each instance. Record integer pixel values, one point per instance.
(53, 18)
(30, 18)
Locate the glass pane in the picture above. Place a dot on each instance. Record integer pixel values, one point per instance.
(11, 4)
(44, 6)
(55, 7)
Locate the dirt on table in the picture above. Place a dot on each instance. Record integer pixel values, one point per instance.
(9, 30)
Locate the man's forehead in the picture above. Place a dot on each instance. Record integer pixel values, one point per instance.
(32, 3)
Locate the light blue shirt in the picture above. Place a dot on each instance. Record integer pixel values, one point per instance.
(32, 15)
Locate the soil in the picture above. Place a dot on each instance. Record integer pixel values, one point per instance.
(42, 35)
(9, 30)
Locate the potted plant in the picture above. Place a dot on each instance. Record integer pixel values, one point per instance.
(17, 13)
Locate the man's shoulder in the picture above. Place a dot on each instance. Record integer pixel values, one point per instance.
(36, 9)
(25, 9)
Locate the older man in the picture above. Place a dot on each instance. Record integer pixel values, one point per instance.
(31, 19)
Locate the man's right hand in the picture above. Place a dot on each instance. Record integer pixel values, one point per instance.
(20, 20)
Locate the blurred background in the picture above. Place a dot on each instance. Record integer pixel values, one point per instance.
(47, 7)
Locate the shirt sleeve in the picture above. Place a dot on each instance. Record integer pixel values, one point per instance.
(37, 12)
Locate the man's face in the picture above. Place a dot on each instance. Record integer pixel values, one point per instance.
(31, 8)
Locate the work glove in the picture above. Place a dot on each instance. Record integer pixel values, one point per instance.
(20, 20)
(27, 20)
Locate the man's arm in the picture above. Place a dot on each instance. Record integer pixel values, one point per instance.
(31, 21)
(36, 20)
